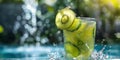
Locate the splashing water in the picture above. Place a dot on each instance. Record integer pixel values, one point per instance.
(99, 55)
(30, 14)
(101, 52)
(106, 52)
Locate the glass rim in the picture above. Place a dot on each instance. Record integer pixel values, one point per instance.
(87, 18)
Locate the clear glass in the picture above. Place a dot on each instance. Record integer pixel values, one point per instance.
(79, 44)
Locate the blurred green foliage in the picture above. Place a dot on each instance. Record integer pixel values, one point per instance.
(11, 1)
(1, 29)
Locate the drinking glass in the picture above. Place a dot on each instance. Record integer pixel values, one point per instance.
(79, 44)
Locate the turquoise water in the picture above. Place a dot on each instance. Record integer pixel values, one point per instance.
(101, 52)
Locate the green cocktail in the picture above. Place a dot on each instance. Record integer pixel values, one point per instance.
(79, 34)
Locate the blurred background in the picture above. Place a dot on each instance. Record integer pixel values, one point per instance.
(32, 22)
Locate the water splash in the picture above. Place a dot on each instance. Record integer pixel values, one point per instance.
(27, 21)
(99, 55)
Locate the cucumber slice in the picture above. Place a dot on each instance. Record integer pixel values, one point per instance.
(72, 49)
